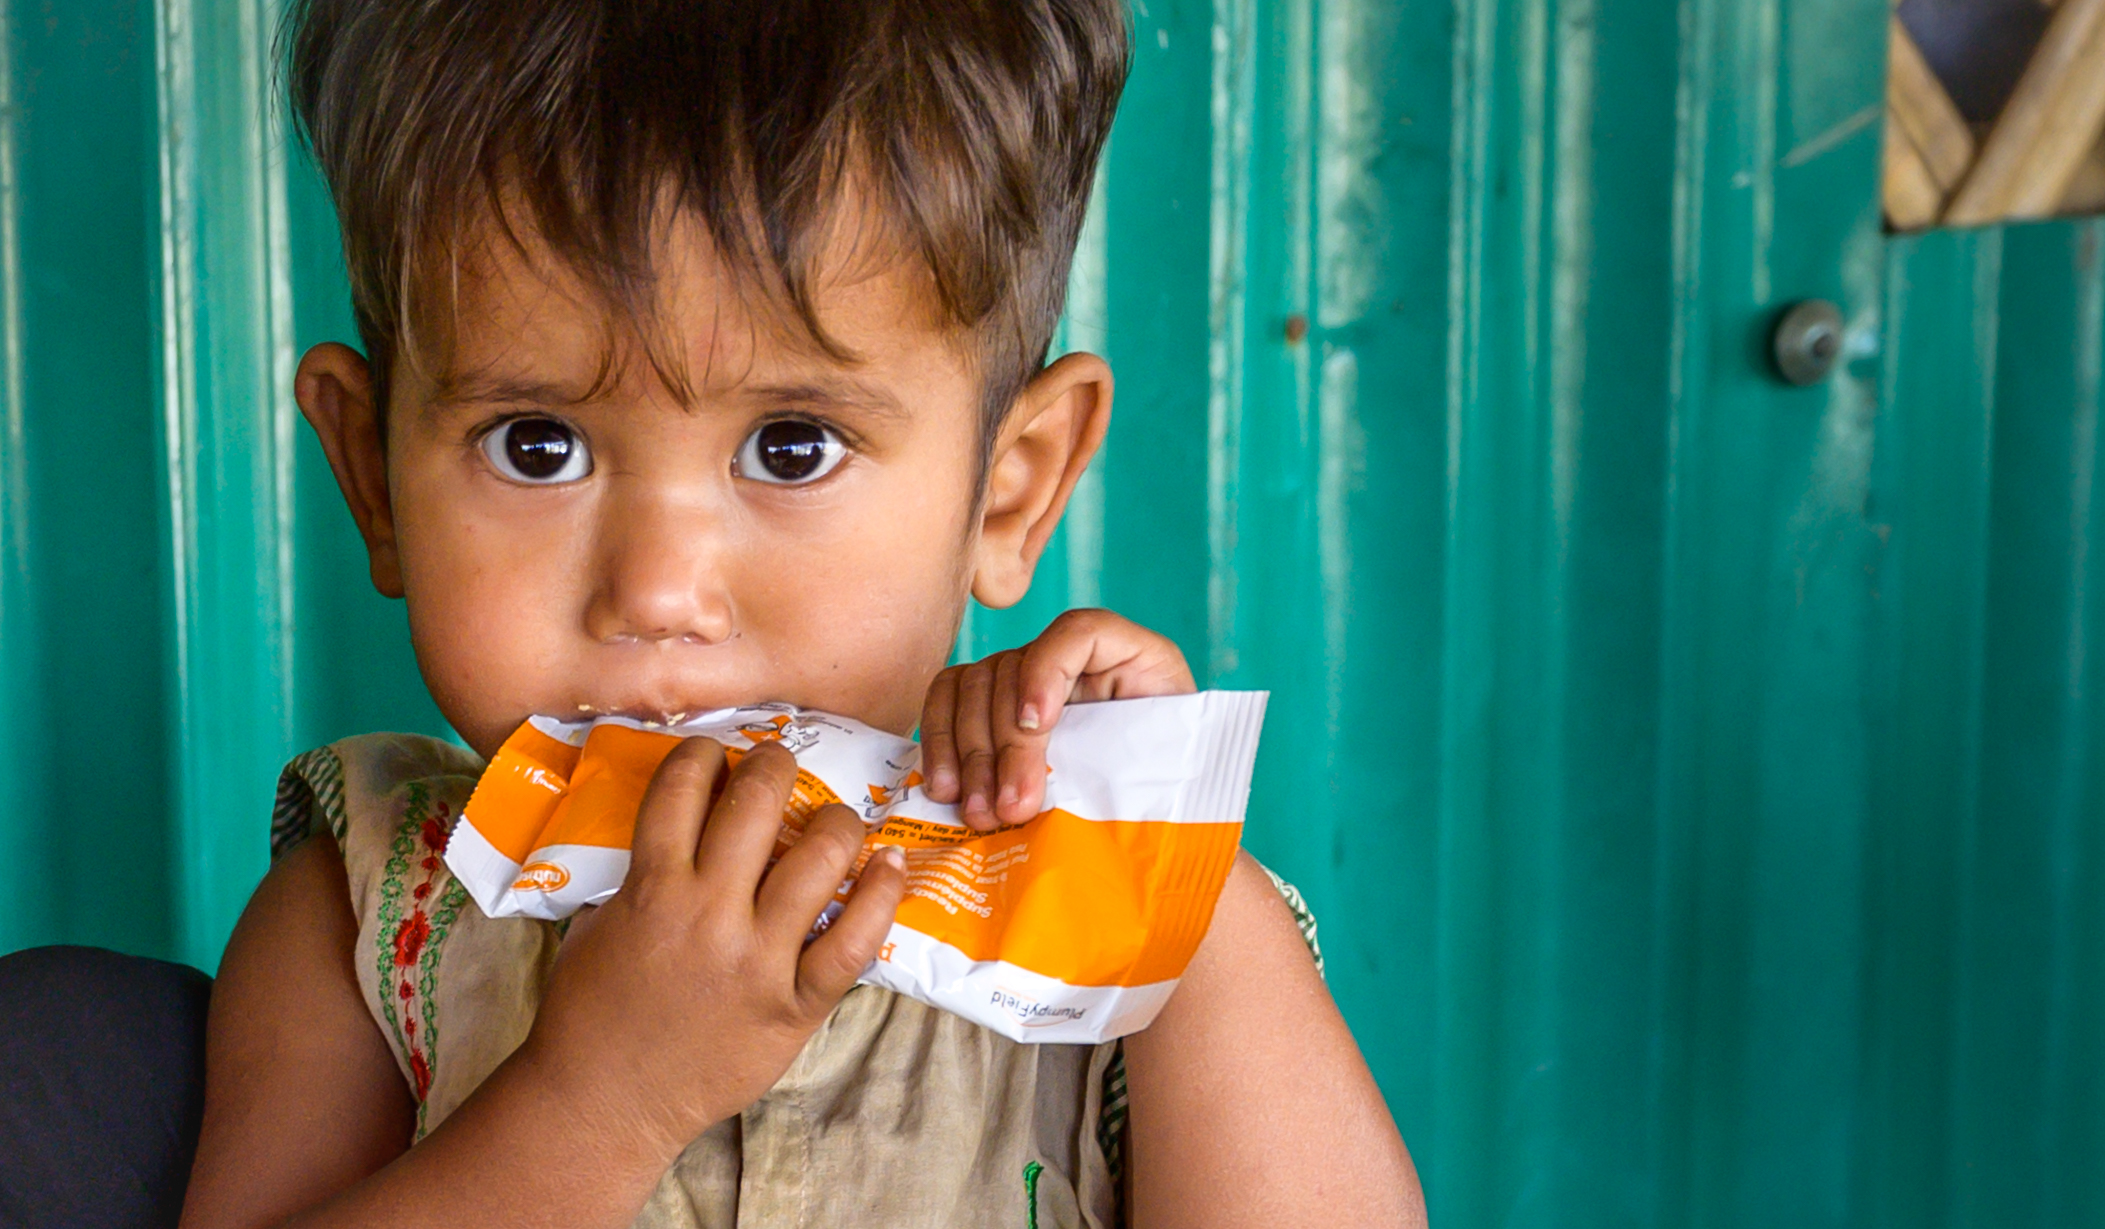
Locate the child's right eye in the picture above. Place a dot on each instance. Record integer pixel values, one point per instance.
(540, 451)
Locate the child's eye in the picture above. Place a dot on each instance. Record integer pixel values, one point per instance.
(788, 451)
(541, 451)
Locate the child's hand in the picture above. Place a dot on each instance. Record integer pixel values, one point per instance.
(687, 995)
(984, 725)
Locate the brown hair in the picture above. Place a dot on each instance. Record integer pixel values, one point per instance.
(973, 125)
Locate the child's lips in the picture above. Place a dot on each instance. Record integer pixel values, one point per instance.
(646, 714)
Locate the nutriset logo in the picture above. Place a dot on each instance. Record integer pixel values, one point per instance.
(541, 877)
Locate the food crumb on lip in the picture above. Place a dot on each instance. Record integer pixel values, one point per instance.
(647, 719)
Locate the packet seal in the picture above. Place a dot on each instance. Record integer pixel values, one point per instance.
(481, 868)
(1229, 725)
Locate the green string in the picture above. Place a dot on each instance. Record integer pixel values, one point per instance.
(1031, 1170)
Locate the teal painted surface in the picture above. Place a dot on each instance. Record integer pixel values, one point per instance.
(226, 361)
(1694, 775)
(90, 817)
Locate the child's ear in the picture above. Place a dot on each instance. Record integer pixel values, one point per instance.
(335, 391)
(1045, 444)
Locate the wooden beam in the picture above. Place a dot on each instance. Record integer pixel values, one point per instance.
(1916, 101)
(2086, 190)
(1912, 194)
(2046, 129)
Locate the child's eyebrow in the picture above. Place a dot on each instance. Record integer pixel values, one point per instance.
(482, 388)
(826, 393)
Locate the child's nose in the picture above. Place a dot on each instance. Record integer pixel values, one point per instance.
(660, 578)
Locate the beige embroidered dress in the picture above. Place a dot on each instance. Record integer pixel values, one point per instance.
(895, 1113)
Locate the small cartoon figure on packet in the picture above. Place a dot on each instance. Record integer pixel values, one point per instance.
(881, 799)
(793, 732)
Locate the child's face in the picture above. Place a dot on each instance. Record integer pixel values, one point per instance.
(804, 530)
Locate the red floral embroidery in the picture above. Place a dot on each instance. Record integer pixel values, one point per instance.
(409, 938)
(417, 909)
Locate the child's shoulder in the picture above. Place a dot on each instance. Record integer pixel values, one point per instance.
(423, 953)
(368, 780)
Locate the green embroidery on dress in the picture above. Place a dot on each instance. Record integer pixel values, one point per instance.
(392, 889)
(409, 945)
(443, 915)
(1031, 1170)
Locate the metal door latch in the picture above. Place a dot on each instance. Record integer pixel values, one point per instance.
(1807, 342)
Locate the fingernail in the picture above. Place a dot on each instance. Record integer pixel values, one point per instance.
(1008, 796)
(976, 802)
(942, 781)
(1028, 718)
(893, 856)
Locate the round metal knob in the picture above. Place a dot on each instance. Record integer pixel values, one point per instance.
(1808, 340)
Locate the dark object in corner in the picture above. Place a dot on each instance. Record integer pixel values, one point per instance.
(102, 1081)
(1978, 48)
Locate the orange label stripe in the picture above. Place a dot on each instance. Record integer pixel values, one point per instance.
(1089, 902)
(521, 790)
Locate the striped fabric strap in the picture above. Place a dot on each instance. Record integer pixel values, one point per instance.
(312, 783)
(1303, 917)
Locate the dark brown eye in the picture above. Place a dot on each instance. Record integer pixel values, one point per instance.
(541, 451)
(789, 451)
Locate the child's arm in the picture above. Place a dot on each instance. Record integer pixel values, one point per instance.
(302, 1096)
(1250, 1102)
(671, 1008)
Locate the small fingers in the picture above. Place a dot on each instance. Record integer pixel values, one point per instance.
(975, 744)
(1019, 753)
(669, 820)
(1095, 655)
(835, 959)
(739, 836)
(1022, 781)
(939, 769)
(807, 876)
(1054, 663)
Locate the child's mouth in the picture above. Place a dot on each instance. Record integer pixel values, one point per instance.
(642, 714)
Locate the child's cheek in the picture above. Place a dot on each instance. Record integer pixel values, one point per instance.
(479, 662)
(483, 618)
(862, 625)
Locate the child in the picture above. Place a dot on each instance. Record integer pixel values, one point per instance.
(705, 366)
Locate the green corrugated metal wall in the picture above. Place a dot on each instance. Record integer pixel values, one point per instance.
(1694, 774)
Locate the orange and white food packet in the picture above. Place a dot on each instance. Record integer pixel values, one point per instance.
(1073, 927)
